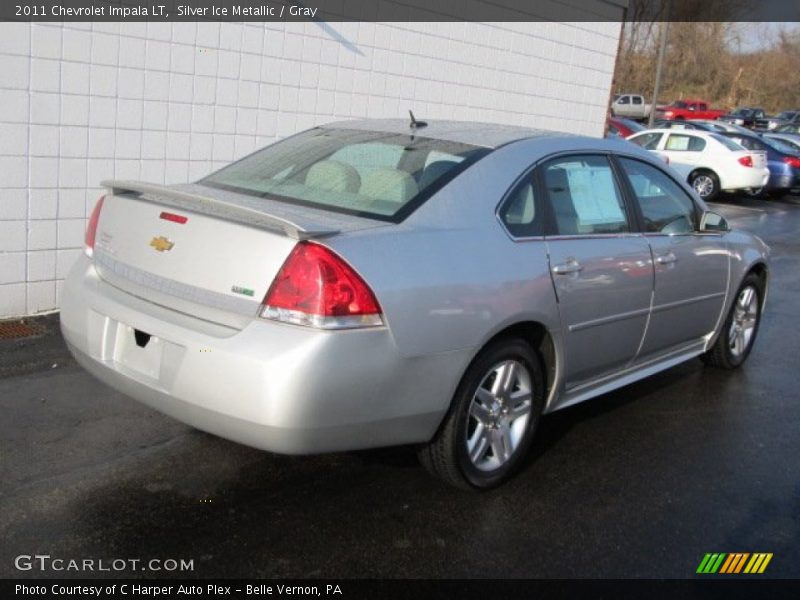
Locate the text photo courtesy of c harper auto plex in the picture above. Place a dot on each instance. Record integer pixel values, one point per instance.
(399, 299)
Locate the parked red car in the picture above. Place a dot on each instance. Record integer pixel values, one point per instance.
(621, 127)
(688, 109)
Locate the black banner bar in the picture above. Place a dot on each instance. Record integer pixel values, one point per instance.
(399, 10)
(414, 589)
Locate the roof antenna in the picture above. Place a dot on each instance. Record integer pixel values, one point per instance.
(416, 124)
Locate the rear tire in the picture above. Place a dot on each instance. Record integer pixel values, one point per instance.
(705, 183)
(492, 419)
(740, 328)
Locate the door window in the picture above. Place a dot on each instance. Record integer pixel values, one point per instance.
(583, 196)
(666, 208)
(648, 141)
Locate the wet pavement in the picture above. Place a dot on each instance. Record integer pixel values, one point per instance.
(641, 482)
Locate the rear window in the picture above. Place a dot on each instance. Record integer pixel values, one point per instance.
(728, 143)
(779, 145)
(367, 173)
(633, 125)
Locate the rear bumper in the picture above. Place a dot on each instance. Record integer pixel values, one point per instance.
(784, 180)
(745, 179)
(281, 388)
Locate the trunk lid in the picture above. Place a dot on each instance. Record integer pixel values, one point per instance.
(759, 159)
(205, 252)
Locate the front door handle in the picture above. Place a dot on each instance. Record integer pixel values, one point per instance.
(666, 259)
(571, 266)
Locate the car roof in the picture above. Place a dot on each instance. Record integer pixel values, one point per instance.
(488, 135)
(699, 132)
(738, 134)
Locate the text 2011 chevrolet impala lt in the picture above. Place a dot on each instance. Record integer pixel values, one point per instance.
(369, 284)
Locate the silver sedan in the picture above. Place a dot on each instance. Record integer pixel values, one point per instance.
(377, 283)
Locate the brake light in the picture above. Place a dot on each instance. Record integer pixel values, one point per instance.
(91, 228)
(168, 216)
(746, 161)
(316, 288)
(792, 161)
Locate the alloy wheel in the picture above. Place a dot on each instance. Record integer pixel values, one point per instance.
(703, 185)
(498, 415)
(743, 324)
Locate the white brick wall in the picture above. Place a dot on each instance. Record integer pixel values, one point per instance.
(169, 102)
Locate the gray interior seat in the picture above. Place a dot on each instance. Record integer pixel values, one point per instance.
(389, 185)
(435, 170)
(334, 176)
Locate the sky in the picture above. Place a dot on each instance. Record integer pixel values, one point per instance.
(750, 37)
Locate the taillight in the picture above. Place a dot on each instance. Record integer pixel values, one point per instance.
(792, 161)
(746, 161)
(91, 228)
(316, 288)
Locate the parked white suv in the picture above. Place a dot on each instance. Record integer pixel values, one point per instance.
(709, 162)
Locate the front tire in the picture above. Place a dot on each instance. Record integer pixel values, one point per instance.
(739, 331)
(705, 183)
(492, 419)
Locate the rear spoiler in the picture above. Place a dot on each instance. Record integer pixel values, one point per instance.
(228, 211)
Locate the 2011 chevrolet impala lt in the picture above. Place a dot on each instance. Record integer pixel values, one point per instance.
(372, 283)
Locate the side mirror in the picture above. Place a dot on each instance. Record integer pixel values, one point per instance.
(711, 222)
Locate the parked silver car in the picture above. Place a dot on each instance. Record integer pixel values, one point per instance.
(368, 284)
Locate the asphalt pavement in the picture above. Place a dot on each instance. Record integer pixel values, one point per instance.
(641, 482)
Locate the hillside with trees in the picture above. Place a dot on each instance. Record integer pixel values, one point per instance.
(728, 64)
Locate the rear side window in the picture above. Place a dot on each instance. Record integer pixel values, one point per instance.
(666, 208)
(583, 196)
(520, 213)
(367, 173)
(648, 141)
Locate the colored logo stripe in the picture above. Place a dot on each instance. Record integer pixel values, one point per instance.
(734, 562)
(758, 563)
(710, 563)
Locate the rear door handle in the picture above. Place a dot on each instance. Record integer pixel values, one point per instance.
(666, 259)
(571, 266)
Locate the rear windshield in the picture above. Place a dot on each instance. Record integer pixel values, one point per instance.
(366, 173)
(633, 125)
(728, 143)
(779, 145)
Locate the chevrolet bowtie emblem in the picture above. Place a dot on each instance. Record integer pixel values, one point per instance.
(161, 244)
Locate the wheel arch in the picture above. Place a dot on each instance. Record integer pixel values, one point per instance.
(761, 270)
(705, 169)
(541, 340)
(701, 169)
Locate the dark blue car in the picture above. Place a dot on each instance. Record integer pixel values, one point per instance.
(783, 161)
